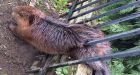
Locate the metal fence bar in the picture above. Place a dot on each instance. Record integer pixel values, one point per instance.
(86, 5)
(131, 16)
(72, 5)
(111, 12)
(72, 8)
(94, 9)
(128, 53)
(79, 2)
(116, 36)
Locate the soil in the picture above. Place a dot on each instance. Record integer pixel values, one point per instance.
(15, 55)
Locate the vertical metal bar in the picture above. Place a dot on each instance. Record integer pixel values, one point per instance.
(111, 12)
(72, 5)
(131, 33)
(80, 2)
(132, 16)
(78, 11)
(94, 9)
(82, 7)
(128, 53)
(71, 10)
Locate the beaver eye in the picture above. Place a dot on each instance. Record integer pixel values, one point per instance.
(31, 19)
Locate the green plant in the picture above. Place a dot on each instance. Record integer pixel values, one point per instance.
(129, 66)
(60, 5)
(62, 71)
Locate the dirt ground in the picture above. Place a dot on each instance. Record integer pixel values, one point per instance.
(15, 55)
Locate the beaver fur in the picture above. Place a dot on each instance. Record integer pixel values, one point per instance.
(52, 36)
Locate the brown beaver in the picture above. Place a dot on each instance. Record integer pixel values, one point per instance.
(52, 36)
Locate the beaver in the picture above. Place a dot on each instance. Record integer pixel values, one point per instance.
(52, 36)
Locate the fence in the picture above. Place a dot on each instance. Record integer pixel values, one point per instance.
(134, 32)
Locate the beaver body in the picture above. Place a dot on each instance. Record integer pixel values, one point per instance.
(54, 37)
(87, 33)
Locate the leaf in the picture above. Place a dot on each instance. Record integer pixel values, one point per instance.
(117, 68)
(62, 71)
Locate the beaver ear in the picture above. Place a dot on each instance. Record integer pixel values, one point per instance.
(31, 19)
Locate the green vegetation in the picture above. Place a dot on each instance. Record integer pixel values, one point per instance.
(62, 71)
(60, 5)
(127, 66)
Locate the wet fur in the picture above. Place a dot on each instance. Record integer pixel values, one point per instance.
(54, 37)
